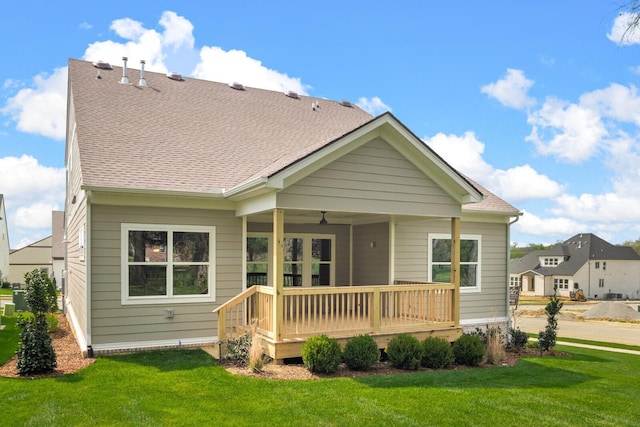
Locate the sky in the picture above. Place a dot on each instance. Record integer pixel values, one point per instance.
(537, 101)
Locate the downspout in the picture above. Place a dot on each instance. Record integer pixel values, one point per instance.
(509, 319)
(87, 260)
(244, 253)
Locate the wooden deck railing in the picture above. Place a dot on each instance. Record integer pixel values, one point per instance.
(340, 311)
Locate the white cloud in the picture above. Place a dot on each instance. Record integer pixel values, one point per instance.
(373, 106)
(524, 183)
(31, 192)
(534, 225)
(617, 102)
(235, 66)
(511, 90)
(571, 132)
(85, 26)
(620, 32)
(602, 208)
(41, 109)
(464, 153)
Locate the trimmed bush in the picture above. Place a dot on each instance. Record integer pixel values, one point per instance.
(238, 349)
(436, 353)
(468, 350)
(517, 340)
(361, 352)
(404, 352)
(35, 351)
(321, 354)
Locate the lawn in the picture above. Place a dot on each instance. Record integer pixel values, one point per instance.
(185, 387)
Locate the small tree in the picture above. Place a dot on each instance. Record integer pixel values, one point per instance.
(35, 351)
(547, 338)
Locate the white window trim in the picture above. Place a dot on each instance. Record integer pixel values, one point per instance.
(306, 256)
(463, 289)
(169, 298)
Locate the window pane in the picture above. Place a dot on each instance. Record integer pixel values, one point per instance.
(292, 249)
(320, 274)
(257, 249)
(147, 280)
(293, 275)
(441, 273)
(190, 279)
(147, 246)
(256, 274)
(190, 247)
(441, 250)
(321, 249)
(468, 251)
(468, 275)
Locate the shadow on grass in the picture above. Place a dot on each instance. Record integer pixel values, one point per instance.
(526, 374)
(167, 360)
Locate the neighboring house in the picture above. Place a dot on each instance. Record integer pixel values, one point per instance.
(4, 242)
(292, 214)
(35, 256)
(57, 247)
(585, 261)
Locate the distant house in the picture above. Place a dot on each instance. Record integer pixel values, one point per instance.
(585, 261)
(197, 209)
(35, 256)
(4, 242)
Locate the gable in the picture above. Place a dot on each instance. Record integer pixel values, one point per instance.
(374, 177)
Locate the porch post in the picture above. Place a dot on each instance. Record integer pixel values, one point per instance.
(455, 268)
(278, 270)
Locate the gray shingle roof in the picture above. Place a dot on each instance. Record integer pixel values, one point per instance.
(201, 136)
(192, 135)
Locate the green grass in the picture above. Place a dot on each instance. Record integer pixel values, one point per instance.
(6, 291)
(185, 387)
(9, 338)
(596, 343)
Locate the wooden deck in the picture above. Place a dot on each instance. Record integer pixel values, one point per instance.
(422, 309)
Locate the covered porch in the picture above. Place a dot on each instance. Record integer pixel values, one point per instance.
(285, 315)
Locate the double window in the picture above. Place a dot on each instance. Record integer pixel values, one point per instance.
(308, 260)
(561, 283)
(161, 263)
(439, 260)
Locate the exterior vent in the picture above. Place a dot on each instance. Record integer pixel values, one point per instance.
(175, 76)
(236, 86)
(124, 80)
(292, 94)
(346, 103)
(102, 65)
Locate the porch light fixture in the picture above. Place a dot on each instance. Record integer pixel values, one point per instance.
(323, 221)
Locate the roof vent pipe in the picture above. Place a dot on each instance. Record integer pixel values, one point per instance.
(124, 79)
(142, 81)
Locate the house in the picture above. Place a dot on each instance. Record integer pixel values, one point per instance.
(37, 255)
(196, 210)
(4, 242)
(585, 261)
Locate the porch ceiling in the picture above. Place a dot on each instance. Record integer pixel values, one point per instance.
(299, 216)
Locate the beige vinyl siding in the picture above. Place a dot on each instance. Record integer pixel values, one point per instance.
(371, 264)
(342, 242)
(75, 282)
(113, 322)
(411, 263)
(372, 178)
(35, 256)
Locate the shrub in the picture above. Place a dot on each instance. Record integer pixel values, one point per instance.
(321, 354)
(52, 322)
(468, 350)
(547, 338)
(517, 340)
(436, 353)
(404, 352)
(238, 349)
(361, 352)
(256, 354)
(35, 351)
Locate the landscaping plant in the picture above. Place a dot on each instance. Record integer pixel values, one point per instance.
(495, 350)
(361, 352)
(436, 353)
(404, 352)
(547, 338)
(321, 354)
(35, 350)
(468, 350)
(517, 340)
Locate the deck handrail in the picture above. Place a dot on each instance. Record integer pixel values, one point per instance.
(339, 311)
